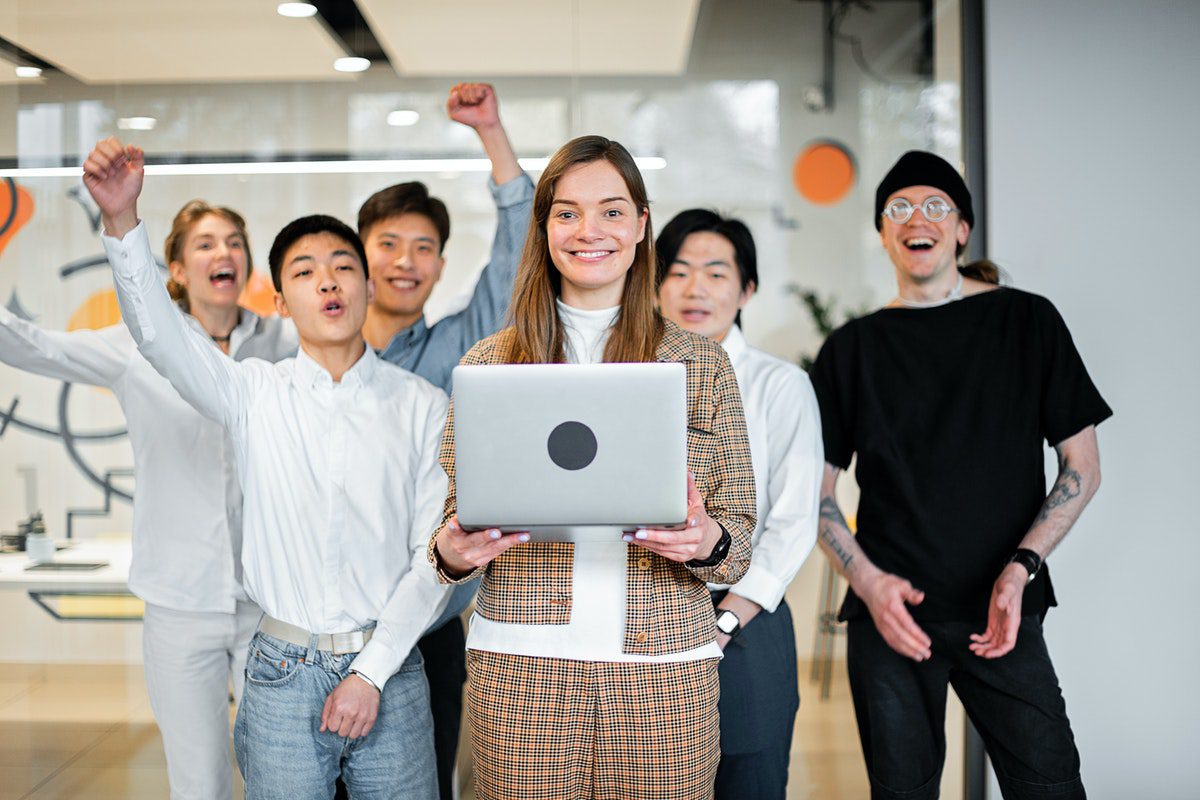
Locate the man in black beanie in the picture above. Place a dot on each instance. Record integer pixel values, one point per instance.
(946, 396)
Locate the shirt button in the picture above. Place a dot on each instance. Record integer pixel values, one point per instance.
(643, 564)
(642, 637)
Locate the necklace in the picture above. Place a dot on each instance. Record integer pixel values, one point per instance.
(955, 294)
(225, 339)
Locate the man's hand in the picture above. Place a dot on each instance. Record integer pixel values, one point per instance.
(1004, 614)
(351, 709)
(462, 552)
(113, 175)
(886, 596)
(696, 540)
(474, 105)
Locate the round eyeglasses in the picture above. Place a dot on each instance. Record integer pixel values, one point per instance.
(935, 209)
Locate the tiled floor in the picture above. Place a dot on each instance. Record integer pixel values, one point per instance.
(87, 732)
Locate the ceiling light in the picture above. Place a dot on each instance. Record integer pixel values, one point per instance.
(29, 72)
(351, 64)
(296, 10)
(137, 123)
(402, 118)
(435, 165)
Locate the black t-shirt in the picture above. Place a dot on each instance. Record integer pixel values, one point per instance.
(947, 409)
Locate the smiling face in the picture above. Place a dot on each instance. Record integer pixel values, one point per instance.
(592, 232)
(702, 288)
(324, 290)
(212, 263)
(923, 251)
(403, 253)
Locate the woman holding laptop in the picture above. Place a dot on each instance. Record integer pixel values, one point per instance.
(592, 667)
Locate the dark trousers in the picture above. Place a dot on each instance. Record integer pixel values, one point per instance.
(1014, 701)
(445, 653)
(759, 700)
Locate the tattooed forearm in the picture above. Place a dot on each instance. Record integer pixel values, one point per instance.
(1067, 487)
(833, 524)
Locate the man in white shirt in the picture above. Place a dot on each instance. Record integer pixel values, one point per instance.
(337, 454)
(707, 271)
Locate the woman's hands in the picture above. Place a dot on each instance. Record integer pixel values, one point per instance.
(696, 540)
(463, 552)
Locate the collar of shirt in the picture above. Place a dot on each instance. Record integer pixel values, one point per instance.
(404, 338)
(246, 327)
(309, 374)
(734, 343)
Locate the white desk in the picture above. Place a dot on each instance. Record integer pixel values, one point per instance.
(107, 586)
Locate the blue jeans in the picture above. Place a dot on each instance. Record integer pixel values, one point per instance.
(282, 754)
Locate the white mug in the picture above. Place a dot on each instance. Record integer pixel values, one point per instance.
(39, 548)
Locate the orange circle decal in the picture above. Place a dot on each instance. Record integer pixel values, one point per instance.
(823, 173)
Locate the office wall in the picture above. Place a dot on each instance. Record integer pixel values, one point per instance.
(1093, 124)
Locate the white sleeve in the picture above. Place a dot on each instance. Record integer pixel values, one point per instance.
(796, 459)
(95, 357)
(214, 384)
(419, 597)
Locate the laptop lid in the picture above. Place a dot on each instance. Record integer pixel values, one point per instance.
(554, 445)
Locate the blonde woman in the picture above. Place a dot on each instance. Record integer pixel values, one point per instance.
(592, 668)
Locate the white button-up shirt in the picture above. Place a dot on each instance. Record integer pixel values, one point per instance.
(187, 505)
(341, 480)
(784, 425)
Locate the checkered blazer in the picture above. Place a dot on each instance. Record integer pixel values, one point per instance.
(668, 608)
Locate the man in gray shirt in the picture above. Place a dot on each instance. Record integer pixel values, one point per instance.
(404, 231)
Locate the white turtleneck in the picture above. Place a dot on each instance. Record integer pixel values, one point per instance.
(598, 580)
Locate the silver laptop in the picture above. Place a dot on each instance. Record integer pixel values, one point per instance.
(571, 452)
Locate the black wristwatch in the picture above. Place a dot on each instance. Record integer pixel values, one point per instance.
(718, 552)
(728, 622)
(1028, 559)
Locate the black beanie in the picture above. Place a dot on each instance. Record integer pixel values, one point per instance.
(918, 168)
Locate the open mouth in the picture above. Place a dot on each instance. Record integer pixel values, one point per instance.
(695, 315)
(223, 278)
(919, 243)
(403, 284)
(332, 308)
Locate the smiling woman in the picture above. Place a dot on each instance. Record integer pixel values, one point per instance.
(625, 622)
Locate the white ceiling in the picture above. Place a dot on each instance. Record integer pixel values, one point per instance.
(534, 37)
(169, 41)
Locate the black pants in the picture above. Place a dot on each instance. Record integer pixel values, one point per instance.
(445, 652)
(1014, 701)
(759, 700)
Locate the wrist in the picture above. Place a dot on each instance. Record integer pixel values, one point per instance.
(448, 564)
(864, 580)
(366, 680)
(121, 223)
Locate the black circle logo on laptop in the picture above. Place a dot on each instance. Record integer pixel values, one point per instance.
(572, 445)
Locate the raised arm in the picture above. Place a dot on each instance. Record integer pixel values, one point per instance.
(885, 595)
(1076, 484)
(203, 376)
(795, 467)
(475, 105)
(98, 358)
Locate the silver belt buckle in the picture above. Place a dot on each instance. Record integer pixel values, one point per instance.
(343, 643)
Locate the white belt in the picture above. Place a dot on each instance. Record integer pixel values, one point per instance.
(336, 643)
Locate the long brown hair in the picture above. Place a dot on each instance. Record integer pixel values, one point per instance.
(181, 226)
(533, 313)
